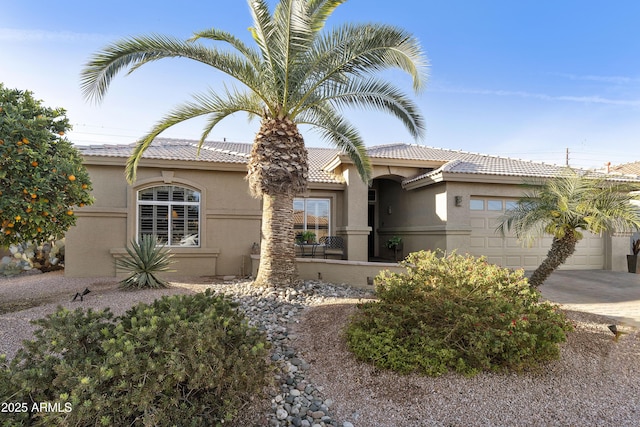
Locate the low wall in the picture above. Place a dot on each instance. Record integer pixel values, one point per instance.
(355, 273)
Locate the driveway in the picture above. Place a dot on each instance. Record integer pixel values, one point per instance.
(610, 293)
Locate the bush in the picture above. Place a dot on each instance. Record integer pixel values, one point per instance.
(453, 312)
(182, 360)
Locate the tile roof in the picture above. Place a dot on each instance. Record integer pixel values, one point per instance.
(627, 168)
(218, 152)
(453, 162)
(464, 162)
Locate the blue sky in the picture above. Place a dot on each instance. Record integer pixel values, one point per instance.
(524, 79)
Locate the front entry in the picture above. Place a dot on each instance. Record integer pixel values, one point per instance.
(371, 222)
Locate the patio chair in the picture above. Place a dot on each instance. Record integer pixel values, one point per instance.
(333, 245)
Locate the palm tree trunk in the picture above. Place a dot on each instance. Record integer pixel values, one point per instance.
(561, 250)
(277, 251)
(278, 170)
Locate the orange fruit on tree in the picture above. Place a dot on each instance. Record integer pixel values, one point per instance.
(18, 218)
(25, 140)
(34, 163)
(39, 230)
(19, 143)
(69, 212)
(34, 196)
(61, 133)
(72, 177)
(85, 186)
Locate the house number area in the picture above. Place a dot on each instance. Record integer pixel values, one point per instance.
(19, 407)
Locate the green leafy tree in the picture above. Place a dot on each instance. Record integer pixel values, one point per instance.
(42, 177)
(564, 207)
(295, 74)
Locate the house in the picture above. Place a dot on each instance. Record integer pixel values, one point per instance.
(627, 169)
(199, 204)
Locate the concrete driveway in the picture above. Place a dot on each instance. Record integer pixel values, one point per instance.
(609, 293)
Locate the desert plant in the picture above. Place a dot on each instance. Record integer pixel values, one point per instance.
(188, 360)
(453, 312)
(146, 260)
(635, 246)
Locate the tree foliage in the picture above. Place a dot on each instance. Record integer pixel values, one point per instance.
(42, 178)
(567, 205)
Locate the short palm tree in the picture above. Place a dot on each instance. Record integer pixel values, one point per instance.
(565, 206)
(296, 74)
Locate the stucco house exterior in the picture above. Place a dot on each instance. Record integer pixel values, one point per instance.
(201, 207)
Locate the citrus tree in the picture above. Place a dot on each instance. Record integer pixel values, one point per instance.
(42, 178)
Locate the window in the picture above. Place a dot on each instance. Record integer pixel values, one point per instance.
(312, 215)
(494, 205)
(476, 204)
(171, 213)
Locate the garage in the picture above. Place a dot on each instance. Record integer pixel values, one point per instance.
(507, 251)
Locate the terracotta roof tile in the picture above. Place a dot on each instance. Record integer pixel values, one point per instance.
(627, 168)
(218, 152)
(452, 161)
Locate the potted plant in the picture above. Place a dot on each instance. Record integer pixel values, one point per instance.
(395, 244)
(307, 237)
(632, 260)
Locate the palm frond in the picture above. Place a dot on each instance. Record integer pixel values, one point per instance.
(572, 202)
(363, 49)
(218, 35)
(211, 103)
(135, 52)
(320, 11)
(335, 129)
(374, 94)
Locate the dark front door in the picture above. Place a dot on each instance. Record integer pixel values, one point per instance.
(372, 234)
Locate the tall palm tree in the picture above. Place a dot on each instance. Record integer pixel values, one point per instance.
(296, 74)
(565, 206)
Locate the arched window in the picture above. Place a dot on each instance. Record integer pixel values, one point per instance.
(171, 213)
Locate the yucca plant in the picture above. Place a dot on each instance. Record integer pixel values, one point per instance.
(145, 261)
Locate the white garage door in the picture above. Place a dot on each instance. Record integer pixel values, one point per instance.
(507, 251)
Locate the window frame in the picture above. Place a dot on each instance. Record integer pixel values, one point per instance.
(184, 204)
(305, 201)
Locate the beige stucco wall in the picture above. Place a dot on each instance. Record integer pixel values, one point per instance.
(230, 220)
(354, 273)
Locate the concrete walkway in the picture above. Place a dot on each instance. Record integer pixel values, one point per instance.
(609, 293)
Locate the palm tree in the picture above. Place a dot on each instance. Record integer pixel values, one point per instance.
(296, 74)
(566, 205)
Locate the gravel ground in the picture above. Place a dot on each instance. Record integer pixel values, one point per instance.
(596, 382)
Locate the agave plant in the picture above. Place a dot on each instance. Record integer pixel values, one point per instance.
(145, 261)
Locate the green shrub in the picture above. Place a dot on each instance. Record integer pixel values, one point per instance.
(182, 360)
(144, 262)
(453, 312)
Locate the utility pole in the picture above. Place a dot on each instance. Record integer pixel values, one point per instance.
(567, 158)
